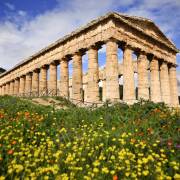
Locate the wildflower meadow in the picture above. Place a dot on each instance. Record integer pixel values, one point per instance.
(141, 141)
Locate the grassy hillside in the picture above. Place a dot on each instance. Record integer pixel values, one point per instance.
(119, 142)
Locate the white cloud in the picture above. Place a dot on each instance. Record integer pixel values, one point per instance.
(19, 37)
(22, 13)
(22, 37)
(9, 6)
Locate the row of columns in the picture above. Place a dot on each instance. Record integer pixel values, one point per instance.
(163, 82)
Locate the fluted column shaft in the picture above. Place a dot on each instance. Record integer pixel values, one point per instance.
(112, 80)
(28, 87)
(64, 78)
(43, 80)
(93, 75)
(53, 78)
(16, 86)
(35, 82)
(11, 91)
(22, 85)
(155, 90)
(143, 83)
(7, 88)
(173, 86)
(128, 76)
(164, 79)
(77, 77)
(3, 90)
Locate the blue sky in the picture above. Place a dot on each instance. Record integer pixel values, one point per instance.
(26, 26)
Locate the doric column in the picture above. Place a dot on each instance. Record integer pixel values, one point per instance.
(128, 76)
(52, 78)
(11, 91)
(16, 86)
(173, 86)
(28, 87)
(3, 90)
(64, 78)
(164, 79)
(35, 82)
(7, 88)
(93, 75)
(43, 79)
(112, 80)
(143, 83)
(22, 85)
(155, 90)
(77, 77)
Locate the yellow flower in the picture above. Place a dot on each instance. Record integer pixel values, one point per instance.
(2, 177)
(105, 170)
(177, 176)
(112, 172)
(95, 170)
(145, 172)
(96, 163)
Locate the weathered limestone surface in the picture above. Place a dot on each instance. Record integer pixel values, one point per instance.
(28, 83)
(7, 88)
(173, 86)
(64, 78)
(93, 76)
(164, 79)
(155, 81)
(43, 79)
(11, 88)
(53, 78)
(22, 85)
(77, 77)
(128, 76)
(143, 82)
(16, 86)
(35, 82)
(112, 83)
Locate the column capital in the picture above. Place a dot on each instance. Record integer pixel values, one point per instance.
(127, 46)
(94, 46)
(45, 66)
(112, 40)
(78, 53)
(29, 73)
(63, 59)
(36, 70)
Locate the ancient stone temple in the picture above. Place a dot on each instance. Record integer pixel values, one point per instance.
(155, 64)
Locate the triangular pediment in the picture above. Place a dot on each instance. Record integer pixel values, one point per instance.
(148, 27)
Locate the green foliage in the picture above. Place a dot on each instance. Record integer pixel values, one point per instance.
(120, 141)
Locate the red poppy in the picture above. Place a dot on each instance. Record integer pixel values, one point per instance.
(10, 152)
(115, 177)
(14, 142)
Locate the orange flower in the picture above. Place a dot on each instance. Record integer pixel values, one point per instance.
(1, 158)
(115, 177)
(27, 114)
(10, 152)
(133, 140)
(14, 142)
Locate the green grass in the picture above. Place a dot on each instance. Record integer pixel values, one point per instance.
(140, 141)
